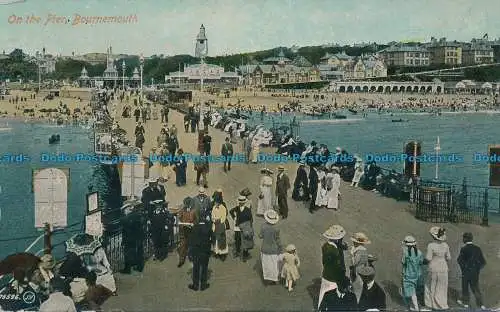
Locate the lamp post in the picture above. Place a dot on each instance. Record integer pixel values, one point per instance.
(124, 67)
(38, 62)
(141, 60)
(437, 148)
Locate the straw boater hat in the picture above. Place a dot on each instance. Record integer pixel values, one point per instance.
(360, 238)
(271, 216)
(242, 199)
(290, 248)
(302, 162)
(366, 270)
(281, 168)
(153, 180)
(438, 233)
(334, 232)
(410, 241)
(47, 262)
(336, 169)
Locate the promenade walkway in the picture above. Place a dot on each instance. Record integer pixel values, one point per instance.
(238, 286)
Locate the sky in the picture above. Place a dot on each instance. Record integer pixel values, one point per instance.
(170, 27)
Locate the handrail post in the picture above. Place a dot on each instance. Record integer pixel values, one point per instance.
(47, 243)
(485, 209)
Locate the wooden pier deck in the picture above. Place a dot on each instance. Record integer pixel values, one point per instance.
(237, 286)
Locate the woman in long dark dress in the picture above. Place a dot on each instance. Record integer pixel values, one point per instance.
(300, 185)
(180, 168)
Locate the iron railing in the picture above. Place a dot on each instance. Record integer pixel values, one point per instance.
(449, 202)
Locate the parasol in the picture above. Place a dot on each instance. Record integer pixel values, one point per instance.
(81, 244)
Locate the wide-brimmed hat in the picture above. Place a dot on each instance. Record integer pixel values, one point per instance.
(334, 232)
(410, 241)
(245, 192)
(290, 248)
(152, 180)
(372, 257)
(266, 171)
(333, 168)
(201, 190)
(438, 233)
(47, 262)
(281, 168)
(360, 238)
(219, 190)
(271, 216)
(242, 199)
(366, 270)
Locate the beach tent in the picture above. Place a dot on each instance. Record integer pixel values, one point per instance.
(486, 85)
(460, 85)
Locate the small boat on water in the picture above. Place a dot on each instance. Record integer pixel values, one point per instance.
(353, 111)
(338, 116)
(54, 139)
(399, 120)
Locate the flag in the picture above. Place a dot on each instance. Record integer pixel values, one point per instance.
(485, 36)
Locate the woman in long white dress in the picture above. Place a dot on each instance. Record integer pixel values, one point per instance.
(333, 187)
(265, 202)
(255, 149)
(321, 197)
(358, 172)
(102, 267)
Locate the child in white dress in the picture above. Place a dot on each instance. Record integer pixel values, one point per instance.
(291, 264)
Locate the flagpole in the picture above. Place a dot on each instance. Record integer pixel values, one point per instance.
(437, 148)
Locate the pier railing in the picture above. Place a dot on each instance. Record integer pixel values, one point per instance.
(436, 201)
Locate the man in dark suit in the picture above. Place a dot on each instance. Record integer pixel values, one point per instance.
(227, 152)
(372, 296)
(471, 261)
(313, 187)
(207, 143)
(132, 239)
(282, 187)
(200, 243)
(151, 193)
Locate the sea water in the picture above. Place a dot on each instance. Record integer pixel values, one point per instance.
(463, 135)
(17, 216)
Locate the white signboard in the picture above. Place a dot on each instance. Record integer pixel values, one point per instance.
(92, 203)
(93, 224)
(133, 177)
(51, 197)
(103, 144)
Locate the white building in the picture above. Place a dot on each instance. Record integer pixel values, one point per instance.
(206, 73)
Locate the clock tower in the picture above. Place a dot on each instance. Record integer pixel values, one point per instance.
(201, 49)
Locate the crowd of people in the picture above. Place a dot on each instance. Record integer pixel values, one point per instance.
(349, 273)
(80, 282)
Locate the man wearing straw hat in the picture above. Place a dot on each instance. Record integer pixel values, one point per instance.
(243, 219)
(282, 187)
(334, 272)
